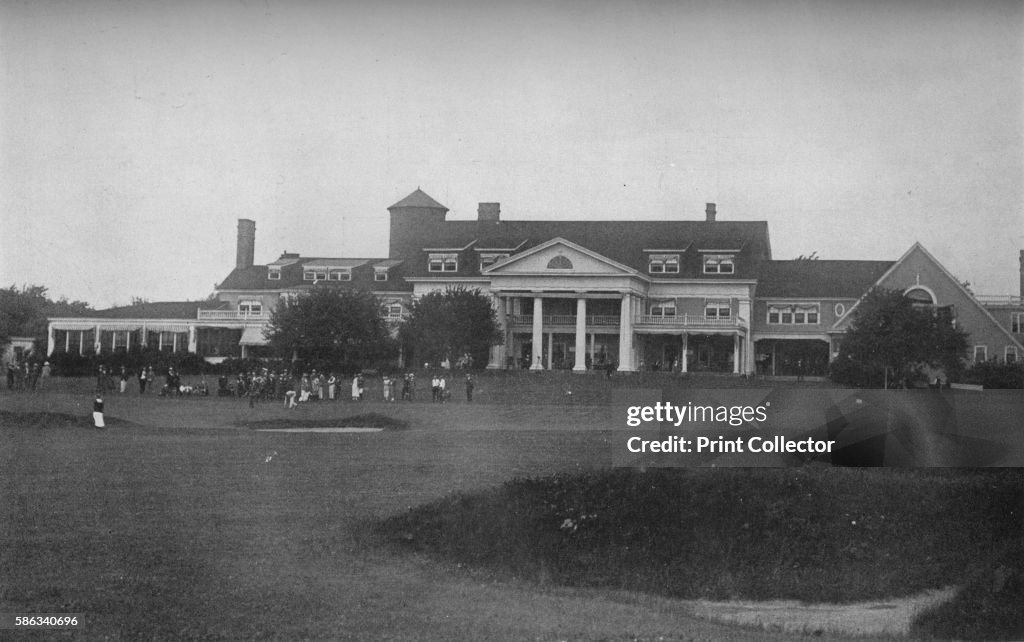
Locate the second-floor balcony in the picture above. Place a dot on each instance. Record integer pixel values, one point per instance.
(232, 315)
(687, 321)
(641, 320)
(564, 319)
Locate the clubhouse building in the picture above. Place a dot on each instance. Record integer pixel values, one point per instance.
(681, 295)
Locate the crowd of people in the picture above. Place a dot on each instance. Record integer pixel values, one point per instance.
(27, 376)
(263, 385)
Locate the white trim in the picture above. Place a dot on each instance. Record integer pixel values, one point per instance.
(974, 352)
(558, 240)
(924, 288)
(1007, 351)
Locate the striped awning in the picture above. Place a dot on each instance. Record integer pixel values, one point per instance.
(253, 336)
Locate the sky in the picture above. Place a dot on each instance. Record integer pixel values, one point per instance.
(133, 135)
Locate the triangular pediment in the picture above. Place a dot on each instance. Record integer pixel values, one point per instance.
(559, 256)
(917, 269)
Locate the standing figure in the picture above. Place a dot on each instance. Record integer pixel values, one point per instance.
(97, 411)
(469, 388)
(124, 380)
(332, 386)
(355, 388)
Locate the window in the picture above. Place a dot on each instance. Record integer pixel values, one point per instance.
(980, 353)
(663, 309)
(719, 264)
(799, 314)
(120, 340)
(663, 264)
(920, 297)
(718, 310)
(274, 274)
(340, 275)
(1017, 323)
(393, 311)
(1010, 354)
(560, 263)
(443, 263)
(487, 259)
(314, 275)
(380, 275)
(250, 308)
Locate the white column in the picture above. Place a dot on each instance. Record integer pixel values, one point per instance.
(735, 354)
(97, 341)
(193, 339)
(685, 348)
(626, 335)
(538, 337)
(497, 354)
(551, 350)
(174, 342)
(746, 314)
(593, 336)
(81, 342)
(128, 341)
(49, 339)
(581, 335)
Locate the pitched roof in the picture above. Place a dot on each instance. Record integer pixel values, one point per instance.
(155, 310)
(621, 241)
(418, 198)
(255, 277)
(818, 278)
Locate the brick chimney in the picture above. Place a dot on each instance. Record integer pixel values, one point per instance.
(246, 253)
(710, 212)
(489, 212)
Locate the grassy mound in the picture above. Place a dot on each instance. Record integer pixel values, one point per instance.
(817, 535)
(365, 420)
(51, 420)
(987, 608)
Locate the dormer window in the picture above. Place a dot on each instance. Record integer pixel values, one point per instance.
(340, 275)
(487, 259)
(663, 264)
(274, 274)
(380, 275)
(314, 275)
(719, 264)
(447, 262)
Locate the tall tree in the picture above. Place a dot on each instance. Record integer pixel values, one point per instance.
(452, 325)
(891, 338)
(24, 311)
(343, 329)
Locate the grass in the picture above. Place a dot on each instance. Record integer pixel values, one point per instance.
(175, 523)
(721, 534)
(363, 420)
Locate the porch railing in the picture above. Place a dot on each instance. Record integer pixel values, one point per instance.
(564, 319)
(230, 315)
(687, 321)
(678, 321)
(999, 299)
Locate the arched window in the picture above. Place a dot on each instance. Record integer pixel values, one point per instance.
(559, 263)
(920, 297)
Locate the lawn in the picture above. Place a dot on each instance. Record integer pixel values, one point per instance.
(179, 522)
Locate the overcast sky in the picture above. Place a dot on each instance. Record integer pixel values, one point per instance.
(133, 135)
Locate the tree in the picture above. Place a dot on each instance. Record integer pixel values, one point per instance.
(452, 325)
(330, 327)
(24, 312)
(891, 339)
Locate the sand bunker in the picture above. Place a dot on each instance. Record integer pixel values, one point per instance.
(882, 617)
